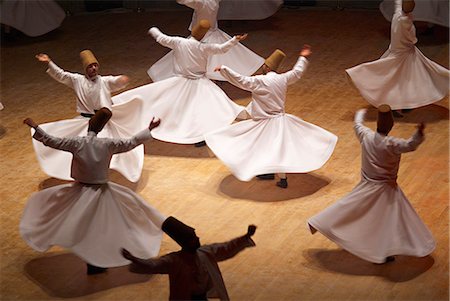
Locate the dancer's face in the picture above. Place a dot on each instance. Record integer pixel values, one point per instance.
(92, 70)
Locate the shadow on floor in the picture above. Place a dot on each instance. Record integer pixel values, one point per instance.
(300, 185)
(404, 268)
(64, 276)
(167, 149)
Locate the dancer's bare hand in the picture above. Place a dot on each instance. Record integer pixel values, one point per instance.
(42, 57)
(126, 254)
(154, 123)
(251, 230)
(30, 122)
(306, 50)
(217, 69)
(241, 37)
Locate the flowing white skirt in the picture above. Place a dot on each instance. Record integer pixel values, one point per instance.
(402, 80)
(374, 221)
(432, 11)
(283, 144)
(239, 58)
(33, 18)
(188, 108)
(94, 221)
(57, 163)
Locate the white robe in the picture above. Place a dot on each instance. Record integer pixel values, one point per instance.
(92, 95)
(272, 141)
(375, 220)
(92, 217)
(239, 58)
(33, 18)
(432, 11)
(403, 77)
(189, 104)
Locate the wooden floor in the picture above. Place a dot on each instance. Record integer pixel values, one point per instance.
(190, 183)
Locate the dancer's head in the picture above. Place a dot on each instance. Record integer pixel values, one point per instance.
(273, 62)
(98, 121)
(408, 6)
(200, 29)
(181, 233)
(385, 120)
(90, 63)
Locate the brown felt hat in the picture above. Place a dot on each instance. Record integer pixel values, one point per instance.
(385, 120)
(178, 231)
(87, 58)
(200, 29)
(99, 120)
(275, 59)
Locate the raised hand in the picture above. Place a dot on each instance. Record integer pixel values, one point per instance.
(241, 37)
(251, 230)
(306, 51)
(153, 124)
(42, 57)
(30, 122)
(217, 69)
(126, 254)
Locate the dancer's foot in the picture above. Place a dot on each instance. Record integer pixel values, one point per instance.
(406, 110)
(282, 183)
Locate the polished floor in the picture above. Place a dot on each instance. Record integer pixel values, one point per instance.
(190, 183)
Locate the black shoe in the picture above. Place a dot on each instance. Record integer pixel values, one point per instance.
(397, 114)
(389, 259)
(282, 183)
(406, 110)
(200, 144)
(93, 270)
(267, 176)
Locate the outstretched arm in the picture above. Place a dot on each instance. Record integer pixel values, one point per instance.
(194, 4)
(248, 83)
(296, 73)
(408, 145)
(164, 40)
(213, 48)
(125, 145)
(56, 72)
(148, 266)
(359, 127)
(397, 6)
(64, 144)
(224, 251)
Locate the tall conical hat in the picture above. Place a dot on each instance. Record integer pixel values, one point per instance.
(200, 29)
(408, 5)
(98, 121)
(275, 59)
(178, 231)
(87, 58)
(385, 120)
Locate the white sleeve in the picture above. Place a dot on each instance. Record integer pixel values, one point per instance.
(214, 48)
(125, 145)
(360, 129)
(248, 83)
(60, 75)
(164, 40)
(64, 144)
(114, 83)
(296, 73)
(399, 145)
(194, 4)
